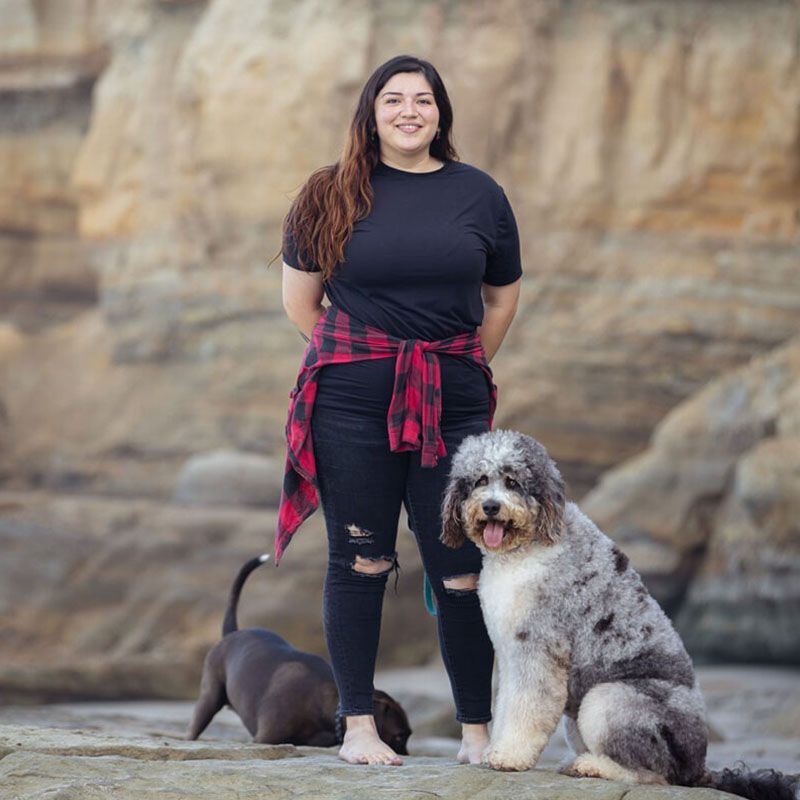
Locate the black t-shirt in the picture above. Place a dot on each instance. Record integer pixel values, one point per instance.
(414, 268)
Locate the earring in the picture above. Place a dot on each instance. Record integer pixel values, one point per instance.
(438, 132)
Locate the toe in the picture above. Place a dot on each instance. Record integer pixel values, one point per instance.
(353, 758)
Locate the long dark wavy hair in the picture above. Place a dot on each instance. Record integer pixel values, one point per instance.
(321, 217)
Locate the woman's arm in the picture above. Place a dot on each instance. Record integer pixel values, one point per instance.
(500, 306)
(302, 298)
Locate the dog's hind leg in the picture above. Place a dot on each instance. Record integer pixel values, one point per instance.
(641, 731)
(599, 720)
(589, 765)
(267, 733)
(212, 699)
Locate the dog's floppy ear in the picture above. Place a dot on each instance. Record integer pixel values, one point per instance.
(551, 511)
(452, 524)
(549, 490)
(385, 704)
(391, 721)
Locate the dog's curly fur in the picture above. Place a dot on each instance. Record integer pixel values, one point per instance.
(575, 630)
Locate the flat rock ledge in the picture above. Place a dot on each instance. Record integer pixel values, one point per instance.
(38, 763)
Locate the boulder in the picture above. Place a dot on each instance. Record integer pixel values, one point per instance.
(708, 514)
(229, 478)
(40, 762)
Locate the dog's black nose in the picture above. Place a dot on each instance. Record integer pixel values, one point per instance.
(490, 508)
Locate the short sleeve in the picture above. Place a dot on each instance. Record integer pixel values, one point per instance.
(503, 263)
(290, 255)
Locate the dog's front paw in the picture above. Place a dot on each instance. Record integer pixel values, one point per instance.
(508, 759)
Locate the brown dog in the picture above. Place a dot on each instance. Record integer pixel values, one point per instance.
(282, 695)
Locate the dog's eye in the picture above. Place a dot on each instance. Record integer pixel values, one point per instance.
(511, 483)
(482, 481)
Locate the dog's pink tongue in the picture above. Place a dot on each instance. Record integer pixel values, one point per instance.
(493, 534)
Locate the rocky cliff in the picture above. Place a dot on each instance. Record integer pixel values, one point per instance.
(151, 147)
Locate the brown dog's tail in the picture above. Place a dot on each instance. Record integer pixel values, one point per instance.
(759, 784)
(229, 624)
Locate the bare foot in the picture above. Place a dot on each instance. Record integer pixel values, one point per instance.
(362, 745)
(474, 740)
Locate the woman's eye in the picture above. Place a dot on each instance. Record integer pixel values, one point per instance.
(397, 99)
(511, 483)
(482, 481)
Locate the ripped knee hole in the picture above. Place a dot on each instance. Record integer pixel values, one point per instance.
(373, 566)
(460, 584)
(358, 533)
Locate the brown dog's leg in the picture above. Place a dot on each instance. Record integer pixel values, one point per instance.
(212, 698)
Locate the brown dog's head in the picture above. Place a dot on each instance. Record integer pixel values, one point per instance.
(391, 721)
(504, 492)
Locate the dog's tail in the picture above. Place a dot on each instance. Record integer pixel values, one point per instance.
(759, 784)
(229, 624)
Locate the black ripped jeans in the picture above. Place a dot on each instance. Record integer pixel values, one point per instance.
(362, 485)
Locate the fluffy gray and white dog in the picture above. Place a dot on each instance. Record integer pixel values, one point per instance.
(576, 632)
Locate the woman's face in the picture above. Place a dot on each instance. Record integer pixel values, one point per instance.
(406, 116)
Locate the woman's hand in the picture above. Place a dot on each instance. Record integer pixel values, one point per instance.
(500, 306)
(302, 298)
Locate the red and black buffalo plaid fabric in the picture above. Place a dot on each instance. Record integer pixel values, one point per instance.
(414, 411)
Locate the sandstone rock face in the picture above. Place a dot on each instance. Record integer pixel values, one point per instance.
(656, 193)
(50, 57)
(150, 149)
(106, 598)
(709, 514)
(322, 775)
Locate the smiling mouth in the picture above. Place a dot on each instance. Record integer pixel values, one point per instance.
(493, 532)
(409, 128)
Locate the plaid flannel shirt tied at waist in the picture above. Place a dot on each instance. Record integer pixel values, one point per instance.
(414, 412)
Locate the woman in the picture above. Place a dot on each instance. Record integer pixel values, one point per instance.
(414, 250)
